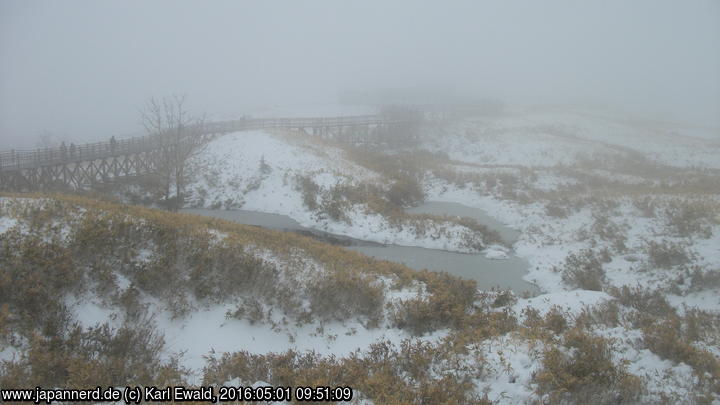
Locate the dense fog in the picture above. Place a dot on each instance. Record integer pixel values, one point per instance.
(80, 70)
(372, 202)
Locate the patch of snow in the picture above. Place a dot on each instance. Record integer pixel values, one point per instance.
(9, 353)
(510, 364)
(570, 302)
(209, 330)
(90, 313)
(144, 255)
(219, 236)
(6, 223)
(495, 253)
(708, 300)
(121, 281)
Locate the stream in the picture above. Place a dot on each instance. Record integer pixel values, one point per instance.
(488, 273)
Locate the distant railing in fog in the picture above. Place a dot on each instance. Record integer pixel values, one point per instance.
(29, 158)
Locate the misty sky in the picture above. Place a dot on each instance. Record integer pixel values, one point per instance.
(82, 69)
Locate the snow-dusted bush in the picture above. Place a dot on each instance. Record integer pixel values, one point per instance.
(34, 273)
(583, 371)
(413, 372)
(249, 308)
(555, 320)
(606, 313)
(343, 295)
(504, 298)
(555, 210)
(702, 280)
(647, 302)
(646, 205)
(668, 340)
(447, 305)
(406, 191)
(690, 217)
(666, 254)
(610, 231)
(544, 328)
(583, 270)
(310, 191)
(79, 357)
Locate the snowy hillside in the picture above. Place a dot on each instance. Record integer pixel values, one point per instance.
(621, 206)
(270, 173)
(623, 241)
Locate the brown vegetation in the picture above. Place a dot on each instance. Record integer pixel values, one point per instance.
(582, 371)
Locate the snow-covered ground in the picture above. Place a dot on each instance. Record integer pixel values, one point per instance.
(539, 148)
(209, 330)
(551, 138)
(530, 169)
(231, 171)
(534, 141)
(258, 171)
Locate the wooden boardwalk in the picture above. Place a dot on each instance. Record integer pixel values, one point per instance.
(77, 166)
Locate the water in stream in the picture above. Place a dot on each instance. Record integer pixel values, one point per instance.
(487, 273)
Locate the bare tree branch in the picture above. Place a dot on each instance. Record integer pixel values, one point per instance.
(179, 137)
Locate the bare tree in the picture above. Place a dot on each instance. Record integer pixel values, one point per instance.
(179, 137)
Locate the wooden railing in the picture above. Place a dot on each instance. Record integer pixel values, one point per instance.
(29, 158)
(23, 159)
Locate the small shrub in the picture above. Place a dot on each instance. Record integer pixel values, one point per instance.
(416, 316)
(383, 373)
(334, 204)
(646, 206)
(607, 230)
(554, 210)
(666, 339)
(342, 295)
(251, 309)
(99, 355)
(264, 168)
(704, 280)
(666, 254)
(555, 320)
(645, 301)
(687, 218)
(447, 305)
(310, 191)
(584, 270)
(504, 298)
(584, 373)
(606, 313)
(406, 191)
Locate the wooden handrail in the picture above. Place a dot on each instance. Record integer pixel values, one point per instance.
(28, 158)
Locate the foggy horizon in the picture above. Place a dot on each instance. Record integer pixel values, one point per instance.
(81, 70)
